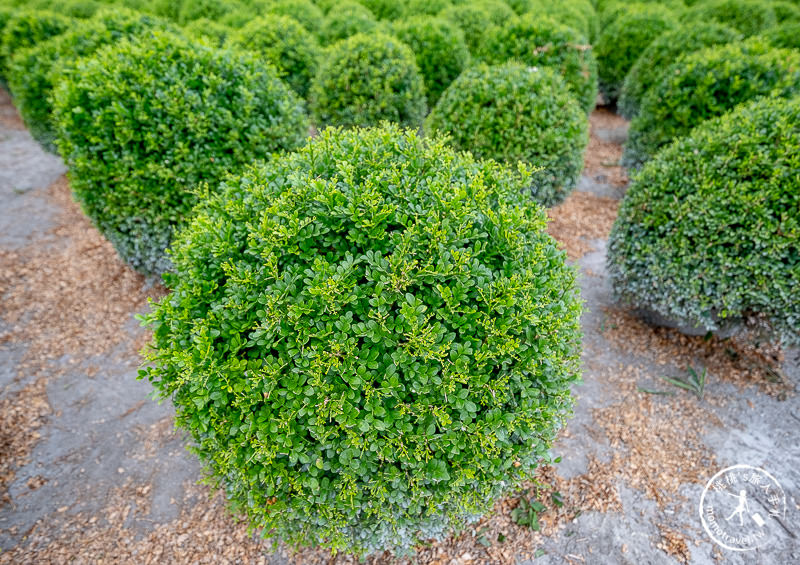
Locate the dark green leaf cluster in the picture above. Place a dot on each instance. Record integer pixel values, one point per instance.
(384, 9)
(514, 113)
(709, 231)
(365, 79)
(304, 11)
(609, 10)
(662, 53)
(145, 121)
(348, 19)
(26, 28)
(748, 16)
(33, 72)
(440, 50)
(369, 340)
(541, 41)
(476, 18)
(621, 43)
(286, 45)
(706, 84)
(784, 36)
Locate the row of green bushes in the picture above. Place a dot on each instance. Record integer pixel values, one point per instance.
(708, 235)
(370, 335)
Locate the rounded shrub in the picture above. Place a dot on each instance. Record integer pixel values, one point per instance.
(440, 51)
(621, 43)
(384, 9)
(662, 52)
(212, 32)
(369, 340)
(33, 72)
(709, 231)
(425, 7)
(786, 11)
(748, 16)
(191, 114)
(81, 9)
(608, 12)
(475, 18)
(540, 41)
(706, 84)
(577, 14)
(348, 19)
(285, 44)
(786, 35)
(365, 79)
(515, 113)
(26, 28)
(304, 11)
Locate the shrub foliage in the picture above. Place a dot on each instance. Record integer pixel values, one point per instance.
(748, 16)
(515, 113)
(706, 84)
(540, 41)
(369, 340)
(190, 115)
(26, 28)
(710, 228)
(365, 79)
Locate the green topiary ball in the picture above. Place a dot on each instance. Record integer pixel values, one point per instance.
(425, 7)
(286, 45)
(662, 52)
(366, 79)
(748, 16)
(384, 9)
(474, 19)
(577, 14)
(706, 84)
(440, 51)
(191, 114)
(214, 33)
(786, 35)
(304, 11)
(514, 113)
(369, 340)
(709, 231)
(621, 43)
(33, 72)
(26, 28)
(540, 41)
(348, 19)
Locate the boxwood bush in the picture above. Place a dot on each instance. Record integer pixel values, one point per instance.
(608, 12)
(706, 84)
(304, 11)
(577, 14)
(348, 19)
(190, 115)
(384, 9)
(475, 18)
(26, 28)
(708, 231)
(748, 16)
(516, 113)
(662, 52)
(621, 43)
(540, 41)
(285, 44)
(365, 79)
(425, 7)
(34, 71)
(786, 35)
(786, 11)
(212, 32)
(439, 48)
(369, 340)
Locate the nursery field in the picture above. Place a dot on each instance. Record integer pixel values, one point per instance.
(400, 282)
(93, 470)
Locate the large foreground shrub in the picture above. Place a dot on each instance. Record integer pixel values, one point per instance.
(369, 340)
(365, 79)
(439, 48)
(622, 42)
(710, 229)
(286, 45)
(662, 52)
(143, 123)
(540, 41)
(706, 84)
(516, 113)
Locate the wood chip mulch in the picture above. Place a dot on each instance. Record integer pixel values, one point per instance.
(602, 157)
(579, 220)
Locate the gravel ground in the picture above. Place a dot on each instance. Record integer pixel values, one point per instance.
(91, 470)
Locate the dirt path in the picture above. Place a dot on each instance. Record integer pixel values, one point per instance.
(92, 471)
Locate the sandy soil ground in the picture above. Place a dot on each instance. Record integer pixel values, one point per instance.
(91, 470)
